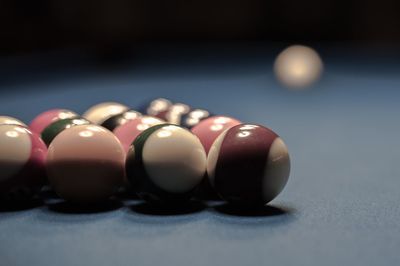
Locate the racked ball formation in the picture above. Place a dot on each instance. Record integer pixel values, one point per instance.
(167, 154)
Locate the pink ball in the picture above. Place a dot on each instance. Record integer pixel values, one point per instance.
(22, 162)
(40, 122)
(209, 129)
(128, 132)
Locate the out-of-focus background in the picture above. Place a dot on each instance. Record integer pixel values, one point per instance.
(41, 39)
(341, 204)
(106, 26)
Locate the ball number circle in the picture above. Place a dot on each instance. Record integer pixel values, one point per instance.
(165, 163)
(85, 164)
(248, 164)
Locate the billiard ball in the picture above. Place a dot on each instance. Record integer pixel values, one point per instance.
(55, 128)
(209, 129)
(155, 106)
(128, 132)
(22, 162)
(40, 122)
(85, 164)
(248, 165)
(120, 119)
(298, 67)
(8, 120)
(174, 113)
(165, 164)
(99, 113)
(194, 117)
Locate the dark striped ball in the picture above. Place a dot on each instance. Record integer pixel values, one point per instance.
(248, 165)
(55, 128)
(194, 117)
(165, 164)
(120, 119)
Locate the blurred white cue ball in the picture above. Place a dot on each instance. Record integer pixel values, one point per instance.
(298, 67)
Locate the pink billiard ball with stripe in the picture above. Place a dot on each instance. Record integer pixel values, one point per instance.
(40, 122)
(128, 132)
(22, 162)
(209, 129)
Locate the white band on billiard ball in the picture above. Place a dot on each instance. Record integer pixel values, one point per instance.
(277, 170)
(213, 156)
(8, 120)
(97, 114)
(15, 150)
(252, 171)
(163, 157)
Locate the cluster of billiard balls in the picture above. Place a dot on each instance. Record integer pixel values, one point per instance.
(164, 152)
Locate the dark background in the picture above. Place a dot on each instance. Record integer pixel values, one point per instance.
(104, 25)
(341, 204)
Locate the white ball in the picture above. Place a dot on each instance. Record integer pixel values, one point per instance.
(99, 113)
(8, 120)
(298, 67)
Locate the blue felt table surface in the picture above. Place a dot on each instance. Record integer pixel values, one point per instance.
(340, 206)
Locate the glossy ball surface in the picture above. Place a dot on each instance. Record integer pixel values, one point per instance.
(298, 67)
(194, 117)
(248, 165)
(55, 128)
(209, 129)
(118, 120)
(174, 113)
(156, 106)
(85, 164)
(165, 164)
(128, 132)
(99, 113)
(8, 120)
(22, 162)
(43, 120)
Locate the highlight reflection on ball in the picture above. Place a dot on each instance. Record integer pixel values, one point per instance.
(298, 66)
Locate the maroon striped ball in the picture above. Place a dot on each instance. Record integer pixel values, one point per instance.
(248, 165)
